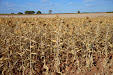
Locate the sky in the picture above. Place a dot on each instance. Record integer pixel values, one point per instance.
(57, 6)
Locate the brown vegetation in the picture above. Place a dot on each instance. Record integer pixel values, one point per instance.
(56, 46)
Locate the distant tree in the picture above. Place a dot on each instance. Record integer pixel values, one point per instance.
(110, 12)
(20, 13)
(38, 12)
(50, 11)
(12, 13)
(78, 11)
(29, 12)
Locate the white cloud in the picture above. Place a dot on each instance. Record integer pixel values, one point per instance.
(90, 4)
(72, 3)
(32, 4)
(8, 7)
(88, 1)
(44, 0)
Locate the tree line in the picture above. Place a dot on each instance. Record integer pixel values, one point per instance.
(29, 12)
(38, 12)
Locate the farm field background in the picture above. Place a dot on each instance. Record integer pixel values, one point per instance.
(56, 45)
(63, 15)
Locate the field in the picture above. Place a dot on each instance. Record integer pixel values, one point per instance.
(61, 15)
(56, 46)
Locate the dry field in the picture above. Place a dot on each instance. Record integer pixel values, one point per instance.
(63, 15)
(56, 46)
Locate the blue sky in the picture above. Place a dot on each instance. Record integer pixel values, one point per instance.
(57, 6)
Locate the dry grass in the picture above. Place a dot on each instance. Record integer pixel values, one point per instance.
(61, 15)
(56, 46)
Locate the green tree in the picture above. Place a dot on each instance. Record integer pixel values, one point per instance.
(38, 12)
(29, 12)
(78, 11)
(20, 13)
(12, 13)
(110, 12)
(50, 11)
